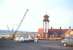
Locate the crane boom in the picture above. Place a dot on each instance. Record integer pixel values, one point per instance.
(21, 21)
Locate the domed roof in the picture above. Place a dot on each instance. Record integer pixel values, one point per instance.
(71, 32)
(46, 15)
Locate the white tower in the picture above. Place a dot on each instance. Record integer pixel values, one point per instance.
(45, 25)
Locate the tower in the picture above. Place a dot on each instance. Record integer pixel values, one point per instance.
(45, 26)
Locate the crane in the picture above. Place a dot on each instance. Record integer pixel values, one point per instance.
(20, 23)
(8, 28)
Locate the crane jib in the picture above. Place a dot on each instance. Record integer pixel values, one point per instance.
(21, 21)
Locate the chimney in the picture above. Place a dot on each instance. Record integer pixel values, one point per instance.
(69, 27)
(51, 28)
(60, 28)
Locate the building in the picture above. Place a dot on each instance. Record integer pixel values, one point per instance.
(55, 33)
(46, 33)
(45, 26)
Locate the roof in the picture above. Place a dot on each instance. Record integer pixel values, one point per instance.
(55, 31)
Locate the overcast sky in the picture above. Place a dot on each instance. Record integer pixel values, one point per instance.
(60, 13)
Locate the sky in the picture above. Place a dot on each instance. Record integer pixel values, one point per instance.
(60, 14)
